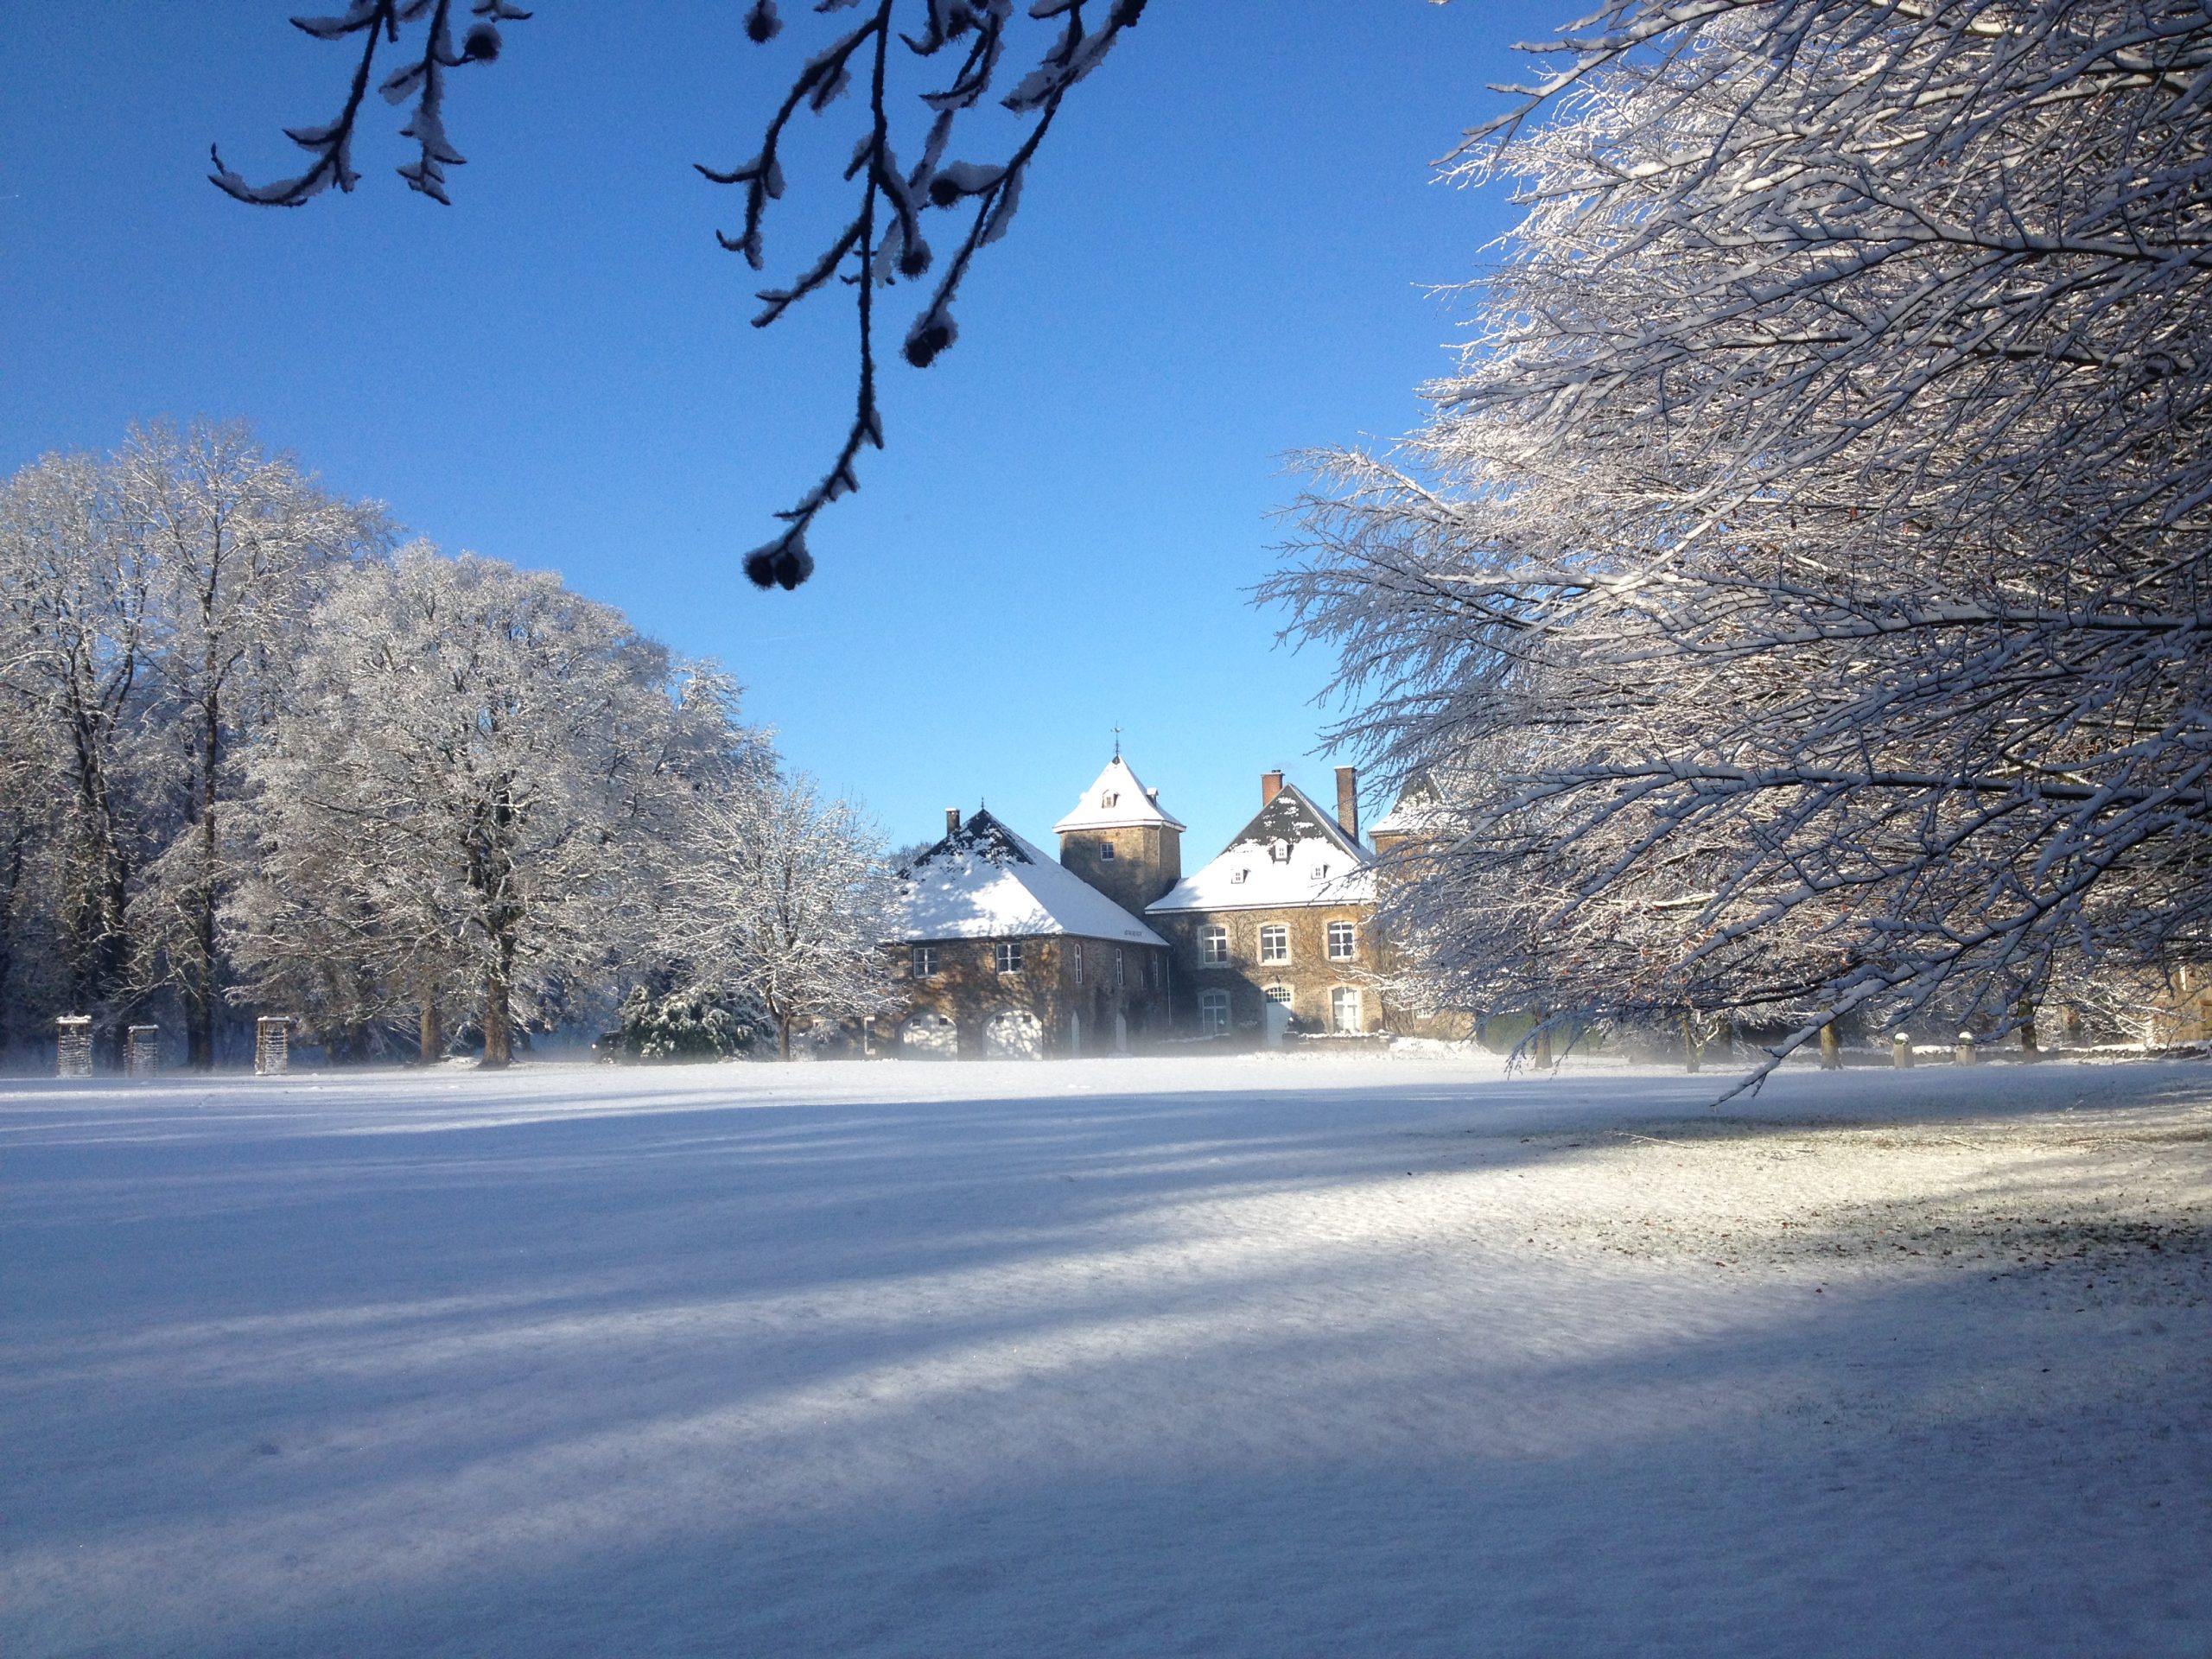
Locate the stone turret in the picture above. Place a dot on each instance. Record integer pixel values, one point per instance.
(1119, 839)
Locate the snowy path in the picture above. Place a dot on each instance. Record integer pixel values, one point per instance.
(1228, 1357)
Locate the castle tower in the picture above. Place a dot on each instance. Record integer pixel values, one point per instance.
(1119, 841)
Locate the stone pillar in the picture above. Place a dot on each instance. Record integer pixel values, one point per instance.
(142, 1052)
(272, 1046)
(1831, 1049)
(72, 1045)
(1966, 1053)
(1901, 1051)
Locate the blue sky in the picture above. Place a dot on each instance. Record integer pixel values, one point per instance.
(1224, 256)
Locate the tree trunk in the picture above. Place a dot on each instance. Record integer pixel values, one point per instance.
(2069, 1026)
(2028, 1050)
(1693, 1051)
(432, 1032)
(499, 1037)
(1831, 1049)
(782, 1037)
(199, 975)
(1540, 1047)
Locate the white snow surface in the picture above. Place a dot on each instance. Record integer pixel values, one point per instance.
(1293, 853)
(959, 890)
(1266, 1356)
(1115, 801)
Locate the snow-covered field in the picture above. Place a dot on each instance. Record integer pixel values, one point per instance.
(1263, 1356)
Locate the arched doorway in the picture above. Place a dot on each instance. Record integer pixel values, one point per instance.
(929, 1037)
(1013, 1034)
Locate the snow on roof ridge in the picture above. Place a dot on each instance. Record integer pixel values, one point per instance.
(985, 881)
(1132, 803)
(1319, 865)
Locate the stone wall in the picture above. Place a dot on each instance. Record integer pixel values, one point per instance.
(1148, 860)
(1310, 974)
(969, 989)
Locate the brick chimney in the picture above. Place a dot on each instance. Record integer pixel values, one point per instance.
(951, 819)
(1270, 786)
(1348, 800)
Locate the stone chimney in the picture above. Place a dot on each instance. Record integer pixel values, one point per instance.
(1270, 786)
(951, 819)
(1348, 800)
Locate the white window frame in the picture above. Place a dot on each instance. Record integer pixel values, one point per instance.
(1213, 946)
(1275, 943)
(1350, 936)
(1278, 994)
(921, 962)
(1213, 1013)
(1108, 798)
(1006, 955)
(1106, 851)
(1076, 950)
(1338, 995)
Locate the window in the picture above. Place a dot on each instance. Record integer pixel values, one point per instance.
(925, 962)
(1079, 962)
(1278, 994)
(1213, 945)
(1237, 877)
(1320, 872)
(1278, 852)
(1344, 1008)
(1106, 852)
(1275, 943)
(1340, 942)
(1213, 1013)
(1107, 797)
(1007, 953)
(1119, 981)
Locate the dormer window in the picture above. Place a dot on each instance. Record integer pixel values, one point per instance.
(1107, 797)
(1320, 872)
(1237, 877)
(1278, 852)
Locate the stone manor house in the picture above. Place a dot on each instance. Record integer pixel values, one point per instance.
(1005, 953)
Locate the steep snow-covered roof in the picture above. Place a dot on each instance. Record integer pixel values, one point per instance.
(983, 881)
(1420, 811)
(1116, 801)
(1291, 852)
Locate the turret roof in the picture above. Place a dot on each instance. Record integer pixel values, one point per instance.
(1115, 801)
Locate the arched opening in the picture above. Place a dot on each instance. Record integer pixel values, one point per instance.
(929, 1037)
(1013, 1034)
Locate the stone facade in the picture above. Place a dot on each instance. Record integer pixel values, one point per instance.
(1087, 996)
(1280, 955)
(1132, 864)
(1284, 917)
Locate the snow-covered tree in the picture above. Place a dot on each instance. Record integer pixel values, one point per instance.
(238, 544)
(471, 794)
(784, 902)
(75, 641)
(1800, 593)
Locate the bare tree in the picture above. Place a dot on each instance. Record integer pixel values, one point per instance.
(883, 242)
(470, 791)
(76, 647)
(1800, 592)
(784, 902)
(240, 545)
